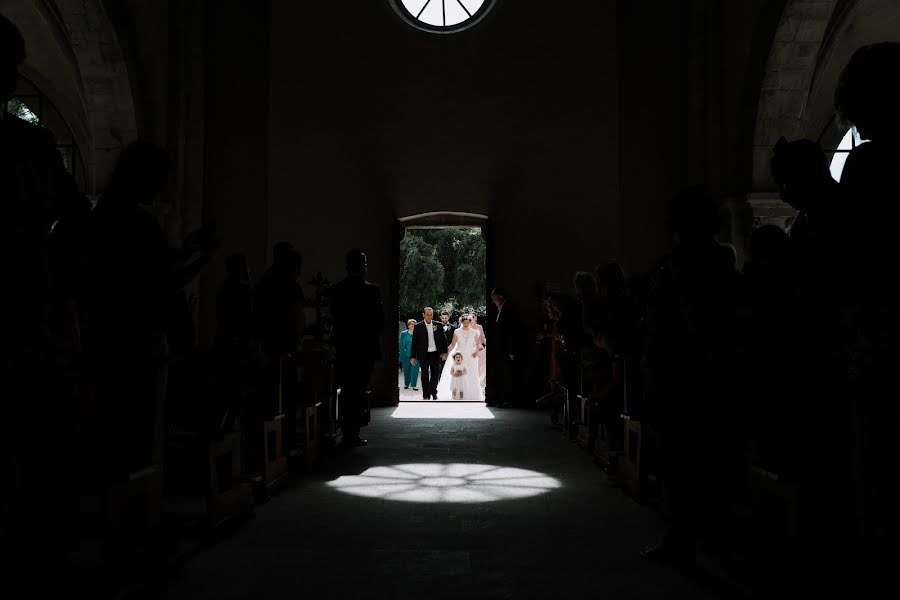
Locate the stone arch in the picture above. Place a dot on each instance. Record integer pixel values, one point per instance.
(109, 104)
(789, 75)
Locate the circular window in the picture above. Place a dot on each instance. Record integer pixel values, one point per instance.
(442, 16)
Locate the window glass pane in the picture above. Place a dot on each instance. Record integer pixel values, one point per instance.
(455, 13)
(433, 14)
(843, 151)
(24, 108)
(414, 6)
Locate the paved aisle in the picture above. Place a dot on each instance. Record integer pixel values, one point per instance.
(489, 504)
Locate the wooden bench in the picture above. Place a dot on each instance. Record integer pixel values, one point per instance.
(227, 497)
(132, 549)
(603, 452)
(205, 481)
(586, 426)
(312, 432)
(774, 508)
(629, 472)
(275, 462)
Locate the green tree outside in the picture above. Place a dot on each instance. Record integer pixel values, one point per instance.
(442, 268)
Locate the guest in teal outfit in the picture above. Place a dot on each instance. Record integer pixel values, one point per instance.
(410, 372)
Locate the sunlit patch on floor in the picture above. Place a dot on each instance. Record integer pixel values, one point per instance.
(442, 410)
(433, 482)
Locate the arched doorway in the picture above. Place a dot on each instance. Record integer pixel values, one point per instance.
(411, 226)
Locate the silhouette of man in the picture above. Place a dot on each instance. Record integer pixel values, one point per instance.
(354, 300)
(234, 304)
(278, 314)
(134, 278)
(867, 97)
(506, 341)
(429, 348)
(234, 316)
(41, 236)
(448, 329)
(690, 355)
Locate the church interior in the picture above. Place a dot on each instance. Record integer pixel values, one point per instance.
(687, 209)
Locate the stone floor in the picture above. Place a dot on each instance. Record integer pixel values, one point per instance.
(448, 500)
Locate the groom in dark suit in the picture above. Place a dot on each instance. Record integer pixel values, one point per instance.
(449, 329)
(429, 348)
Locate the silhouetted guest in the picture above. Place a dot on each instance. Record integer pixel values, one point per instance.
(817, 343)
(587, 297)
(40, 254)
(279, 323)
(604, 383)
(800, 168)
(571, 338)
(691, 357)
(867, 97)
(234, 316)
(616, 307)
(234, 304)
(134, 277)
(353, 301)
(507, 348)
(768, 299)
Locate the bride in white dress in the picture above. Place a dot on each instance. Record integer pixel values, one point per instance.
(465, 341)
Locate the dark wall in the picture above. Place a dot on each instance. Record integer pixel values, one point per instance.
(323, 122)
(516, 118)
(235, 188)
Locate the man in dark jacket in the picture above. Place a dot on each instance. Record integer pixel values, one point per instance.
(354, 300)
(506, 341)
(429, 348)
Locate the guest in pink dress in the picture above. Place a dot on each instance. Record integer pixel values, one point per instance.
(482, 342)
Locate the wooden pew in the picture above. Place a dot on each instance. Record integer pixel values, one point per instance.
(629, 467)
(774, 506)
(275, 462)
(207, 486)
(631, 470)
(586, 426)
(312, 432)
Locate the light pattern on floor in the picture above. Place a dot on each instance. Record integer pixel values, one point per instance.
(446, 483)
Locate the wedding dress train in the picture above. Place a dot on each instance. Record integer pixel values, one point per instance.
(466, 344)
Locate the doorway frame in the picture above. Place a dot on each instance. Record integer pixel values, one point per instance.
(438, 220)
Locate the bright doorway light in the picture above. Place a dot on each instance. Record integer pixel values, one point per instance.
(446, 483)
(442, 410)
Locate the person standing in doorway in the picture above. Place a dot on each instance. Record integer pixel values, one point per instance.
(482, 348)
(507, 341)
(356, 349)
(429, 349)
(410, 371)
(448, 328)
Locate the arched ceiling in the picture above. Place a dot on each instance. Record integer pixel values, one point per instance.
(51, 65)
(813, 43)
(75, 59)
(104, 76)
(861, 22)
(788, 77)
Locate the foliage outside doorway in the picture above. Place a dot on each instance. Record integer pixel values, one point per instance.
(443, 268)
